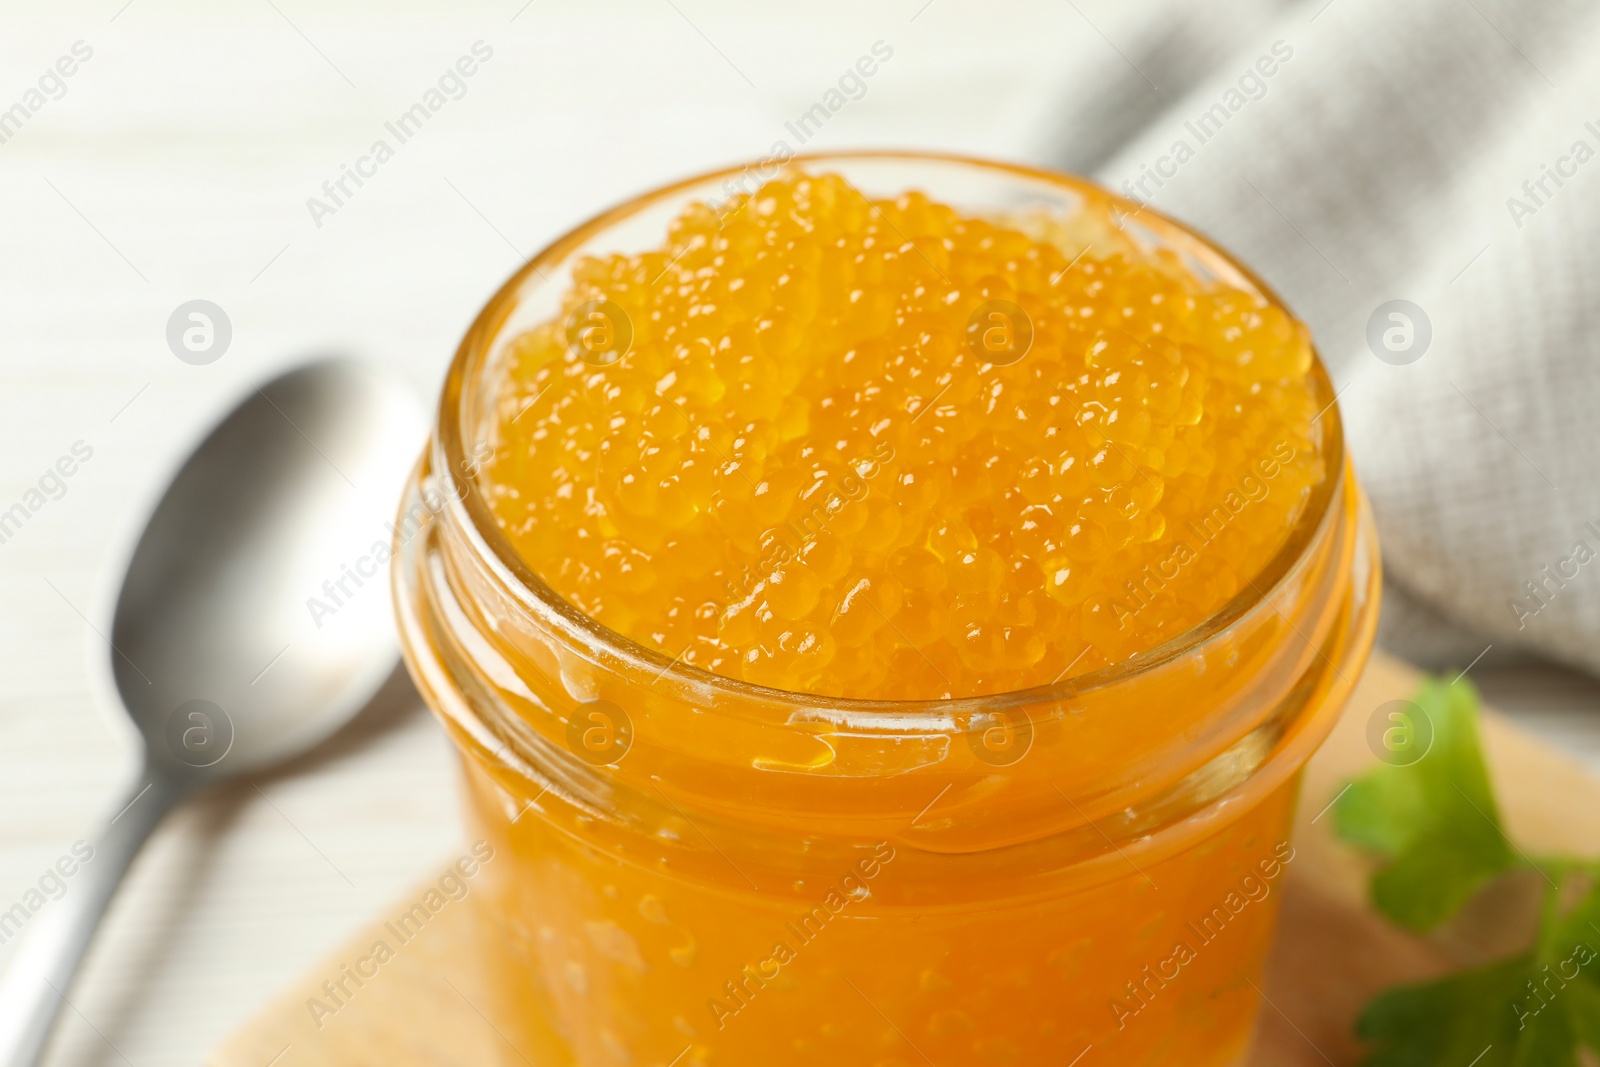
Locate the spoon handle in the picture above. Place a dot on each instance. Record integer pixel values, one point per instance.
(40, 975)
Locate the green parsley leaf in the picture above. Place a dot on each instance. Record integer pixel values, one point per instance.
(1452, 1020)
(1434, 821)
(1533, 1010)
(1437, 827)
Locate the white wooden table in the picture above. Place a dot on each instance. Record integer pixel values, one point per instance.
(176, 166)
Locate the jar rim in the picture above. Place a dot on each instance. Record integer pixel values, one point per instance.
(470, 511)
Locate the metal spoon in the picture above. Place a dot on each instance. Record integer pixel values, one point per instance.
(253, 621)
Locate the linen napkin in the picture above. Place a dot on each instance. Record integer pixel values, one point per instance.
(1421, 183)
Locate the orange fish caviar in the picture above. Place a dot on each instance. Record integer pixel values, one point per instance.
(885, 449)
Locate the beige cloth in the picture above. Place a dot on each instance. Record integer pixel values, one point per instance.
(1379, 161)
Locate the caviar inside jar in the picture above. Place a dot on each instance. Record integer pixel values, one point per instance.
(884, 449)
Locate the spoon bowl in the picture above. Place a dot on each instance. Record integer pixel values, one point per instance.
(253, 621)
(257, 594)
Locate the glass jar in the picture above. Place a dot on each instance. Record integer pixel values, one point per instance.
(692, 870)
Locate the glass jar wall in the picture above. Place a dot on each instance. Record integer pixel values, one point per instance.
(696, 870)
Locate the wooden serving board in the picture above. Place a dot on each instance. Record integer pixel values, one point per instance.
(1331, 955)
